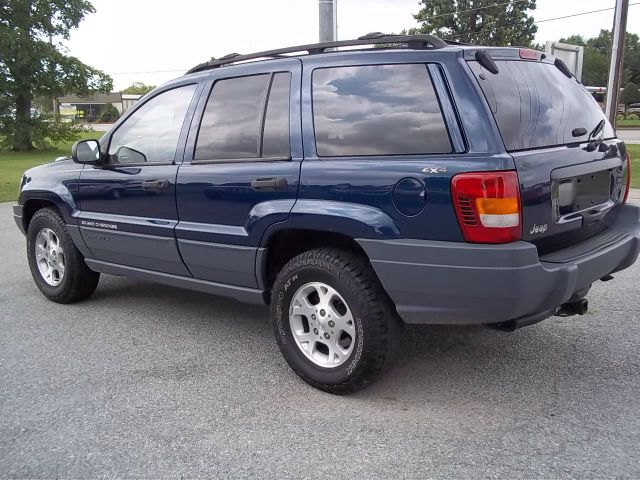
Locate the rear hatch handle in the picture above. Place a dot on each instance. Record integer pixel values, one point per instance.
(588, 215)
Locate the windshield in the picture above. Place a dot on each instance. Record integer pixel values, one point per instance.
(535, 105)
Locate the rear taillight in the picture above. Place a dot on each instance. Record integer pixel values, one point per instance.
(488, 206)
(628, 186)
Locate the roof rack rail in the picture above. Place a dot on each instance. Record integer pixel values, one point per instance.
(417, 42)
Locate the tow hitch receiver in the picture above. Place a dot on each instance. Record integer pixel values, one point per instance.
(577, 307)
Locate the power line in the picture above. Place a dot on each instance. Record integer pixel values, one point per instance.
(429, 18)
(458, 12)
(512, 2)
(550, 19)
(581, 13)
(151, 71)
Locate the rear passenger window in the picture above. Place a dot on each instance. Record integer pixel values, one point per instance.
(239, 123)
(275, 140)
(377, 110)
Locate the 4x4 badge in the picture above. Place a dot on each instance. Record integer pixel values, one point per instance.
(434, 170)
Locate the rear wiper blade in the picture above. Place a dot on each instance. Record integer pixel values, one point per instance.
(596, 142)
(597, 129)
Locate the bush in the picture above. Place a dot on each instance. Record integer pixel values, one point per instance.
(49, 129)
(110, 114)
(630, 94)
(46, 129)
(633, 116)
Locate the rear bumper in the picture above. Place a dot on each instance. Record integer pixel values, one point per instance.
(17, 217)
(434, 282)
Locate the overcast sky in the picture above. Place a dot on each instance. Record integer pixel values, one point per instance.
(153, 41)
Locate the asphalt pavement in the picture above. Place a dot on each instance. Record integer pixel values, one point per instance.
(150, 381)
(629, 135)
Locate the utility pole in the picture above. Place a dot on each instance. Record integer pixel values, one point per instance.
(56, 107)
(328, 20)
(615, 68)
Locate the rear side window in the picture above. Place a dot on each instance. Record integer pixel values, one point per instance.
(275, 137)
(240, 123)
(377, 110)
(535, 105)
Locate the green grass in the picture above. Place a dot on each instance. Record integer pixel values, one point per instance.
(628, 123)
(13, 164)
(634, 151)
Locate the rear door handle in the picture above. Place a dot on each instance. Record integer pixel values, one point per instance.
(156, 185)
(269, 183)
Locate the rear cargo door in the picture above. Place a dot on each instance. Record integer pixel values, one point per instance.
(571, 168)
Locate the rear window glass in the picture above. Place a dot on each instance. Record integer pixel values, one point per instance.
(535, 105)
(377, 110)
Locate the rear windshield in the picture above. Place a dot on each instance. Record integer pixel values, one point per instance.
(535, 105)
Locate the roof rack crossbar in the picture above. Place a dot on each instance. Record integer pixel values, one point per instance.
(417, 42)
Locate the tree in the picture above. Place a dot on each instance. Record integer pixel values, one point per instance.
(630, 94)
(110, 114)
(138, 88)
(485, 22)
(595, 65)
(32, 63)
(597, 53)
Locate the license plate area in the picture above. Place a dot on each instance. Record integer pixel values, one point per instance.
(582, 192)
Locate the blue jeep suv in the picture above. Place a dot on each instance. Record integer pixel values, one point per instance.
(402, 180)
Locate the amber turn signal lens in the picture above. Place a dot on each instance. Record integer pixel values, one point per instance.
(497, 206)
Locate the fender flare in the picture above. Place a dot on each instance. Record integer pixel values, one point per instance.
(349, 219)
(65, 203)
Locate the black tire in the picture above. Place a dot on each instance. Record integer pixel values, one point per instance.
(377, 325)
(78, 281)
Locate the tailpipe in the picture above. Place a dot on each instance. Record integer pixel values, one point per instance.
(576, 307)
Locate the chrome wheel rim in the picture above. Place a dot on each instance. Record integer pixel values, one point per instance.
(322, 324)
(49, 257)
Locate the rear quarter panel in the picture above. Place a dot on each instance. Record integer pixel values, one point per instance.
(369, 181)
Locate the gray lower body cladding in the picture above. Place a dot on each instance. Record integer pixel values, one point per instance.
(243, 294)
(434, 282)
(18, 211)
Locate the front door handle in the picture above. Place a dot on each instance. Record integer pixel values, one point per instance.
(269, 183)
(156, 185)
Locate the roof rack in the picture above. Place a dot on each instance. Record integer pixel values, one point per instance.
(417, 42)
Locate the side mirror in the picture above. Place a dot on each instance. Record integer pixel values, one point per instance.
(130, 155)
(86, 152)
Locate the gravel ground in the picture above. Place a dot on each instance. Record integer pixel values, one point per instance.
(150, 381)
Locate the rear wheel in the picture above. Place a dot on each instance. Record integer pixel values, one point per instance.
(333, 322)
(57, 267)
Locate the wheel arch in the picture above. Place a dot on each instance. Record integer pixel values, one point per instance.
(285, 244)
(340, 224)
(32, 205)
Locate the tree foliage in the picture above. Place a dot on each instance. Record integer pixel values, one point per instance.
(33, 64)
(110, 114)
(484, 22)
(138, 88)
(630, 94)
(597, 54)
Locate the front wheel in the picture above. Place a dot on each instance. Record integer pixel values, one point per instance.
(57, 267)
(333, 321)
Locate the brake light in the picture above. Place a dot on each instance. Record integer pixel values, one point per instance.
(628, 186)
(528, 54)
(488, 206)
